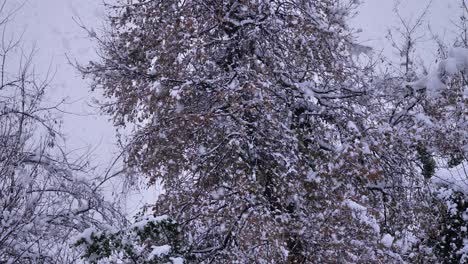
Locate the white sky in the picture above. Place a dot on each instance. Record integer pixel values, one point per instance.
(49, 24)
(376, 17)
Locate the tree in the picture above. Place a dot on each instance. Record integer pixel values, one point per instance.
(429, 110)
(247, 111)
(273, 142)
(45, 197)
(446, 107)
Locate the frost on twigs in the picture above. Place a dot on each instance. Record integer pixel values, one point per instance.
(440, 78)
(46, 195)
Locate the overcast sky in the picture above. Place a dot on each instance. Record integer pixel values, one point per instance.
(50, 25)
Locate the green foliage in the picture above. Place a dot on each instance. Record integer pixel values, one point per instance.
(455, 160)
(453, 230)
(427, 161)
(151, 241)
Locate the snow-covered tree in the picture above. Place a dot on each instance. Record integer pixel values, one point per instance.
(273, 140)
(254, 116)
(46, 198)
(428, 114)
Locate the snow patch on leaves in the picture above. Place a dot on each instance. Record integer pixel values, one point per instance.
(360, 213)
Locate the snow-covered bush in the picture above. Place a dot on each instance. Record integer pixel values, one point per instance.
(149, 240)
